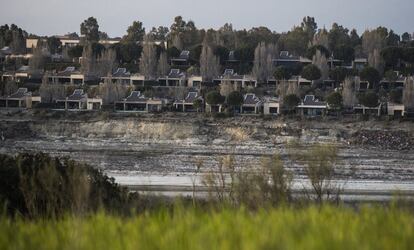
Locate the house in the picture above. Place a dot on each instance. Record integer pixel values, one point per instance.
(289, 61)
(120, 76)
(175, 78)
(79, 101)
(137, 80)
(311, 106)
(134, 102)
(251, 104)
(271, 106)
(389, 85)
(395, 109)
(182, 60)
(240, 81)
(68, 76)
(194, 82)
(21, 99)
(361, 109)
(187, 105)
(359, 63)
(23, 74)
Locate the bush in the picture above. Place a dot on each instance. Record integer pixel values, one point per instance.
(369, 99)
(37, 185)
(334, 100)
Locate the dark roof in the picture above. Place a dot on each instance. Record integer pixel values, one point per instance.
(67, 72)
(175, 73)
(251, 99)
(284, 55)
(121, 72)
(135, 96)
(191, 97)
(310, 100)
(77, 95)
(23, 69)
(21, 92)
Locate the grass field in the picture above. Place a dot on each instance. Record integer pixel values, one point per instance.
(308, 228)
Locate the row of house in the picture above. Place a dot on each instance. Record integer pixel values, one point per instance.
(310, 106)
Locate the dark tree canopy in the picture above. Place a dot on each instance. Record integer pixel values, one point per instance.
(291, 101)
(311, 72)
(135, 33)
(235, 99)
(90, 29)
(282, 73)
(368, 99)
(312, 51)
(371, 75)
(334, 100)
(214, 98)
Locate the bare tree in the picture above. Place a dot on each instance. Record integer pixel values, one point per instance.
(320, 61)
(148, 62)
(226, 87)
(51, 92)
(111, 92)
(106, 62)
(372, 40)
(177, 42)
(408, 93)
(88, 62)
(262, 65)
(40, 53)
(163, 66)
(209, 63)
(348, 92)
(375, 60)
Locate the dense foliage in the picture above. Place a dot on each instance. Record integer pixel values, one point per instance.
(283, 228)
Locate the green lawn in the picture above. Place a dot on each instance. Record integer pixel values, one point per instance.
(283, 228)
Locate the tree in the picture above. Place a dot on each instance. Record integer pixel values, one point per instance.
(235, 99)
(106, 62)
(40, 54)
(209, 63)
(321, 39)
(310, 53)
(148, 62)
(282, 73)
(54, 44)
(320, 61)
(391, 76)
(309, 26)
(311, 72)
(348, 93)
(375, 60)
(339, 74)
(290, 102)
(371, 75)
(135, 33)
(214, 98)
(88, 63)
(198, 104)
(75, 51)
(163, 67)
(226, 88)
(344, 52)
(392, 56)
(262, 65)
(408, 93)
(90, 29)
(338, 35)
(406, 37)
(368, 99)
(160, 33)
(334, 100)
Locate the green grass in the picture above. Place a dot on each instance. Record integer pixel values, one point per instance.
(282, 228)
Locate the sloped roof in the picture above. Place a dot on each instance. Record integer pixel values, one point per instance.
(191, 97)
(251, 99)
(77, 95)
(20, 93)
(175, 73)
(121, 72)
(310, 100)
(135, 96)
(67, 72)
